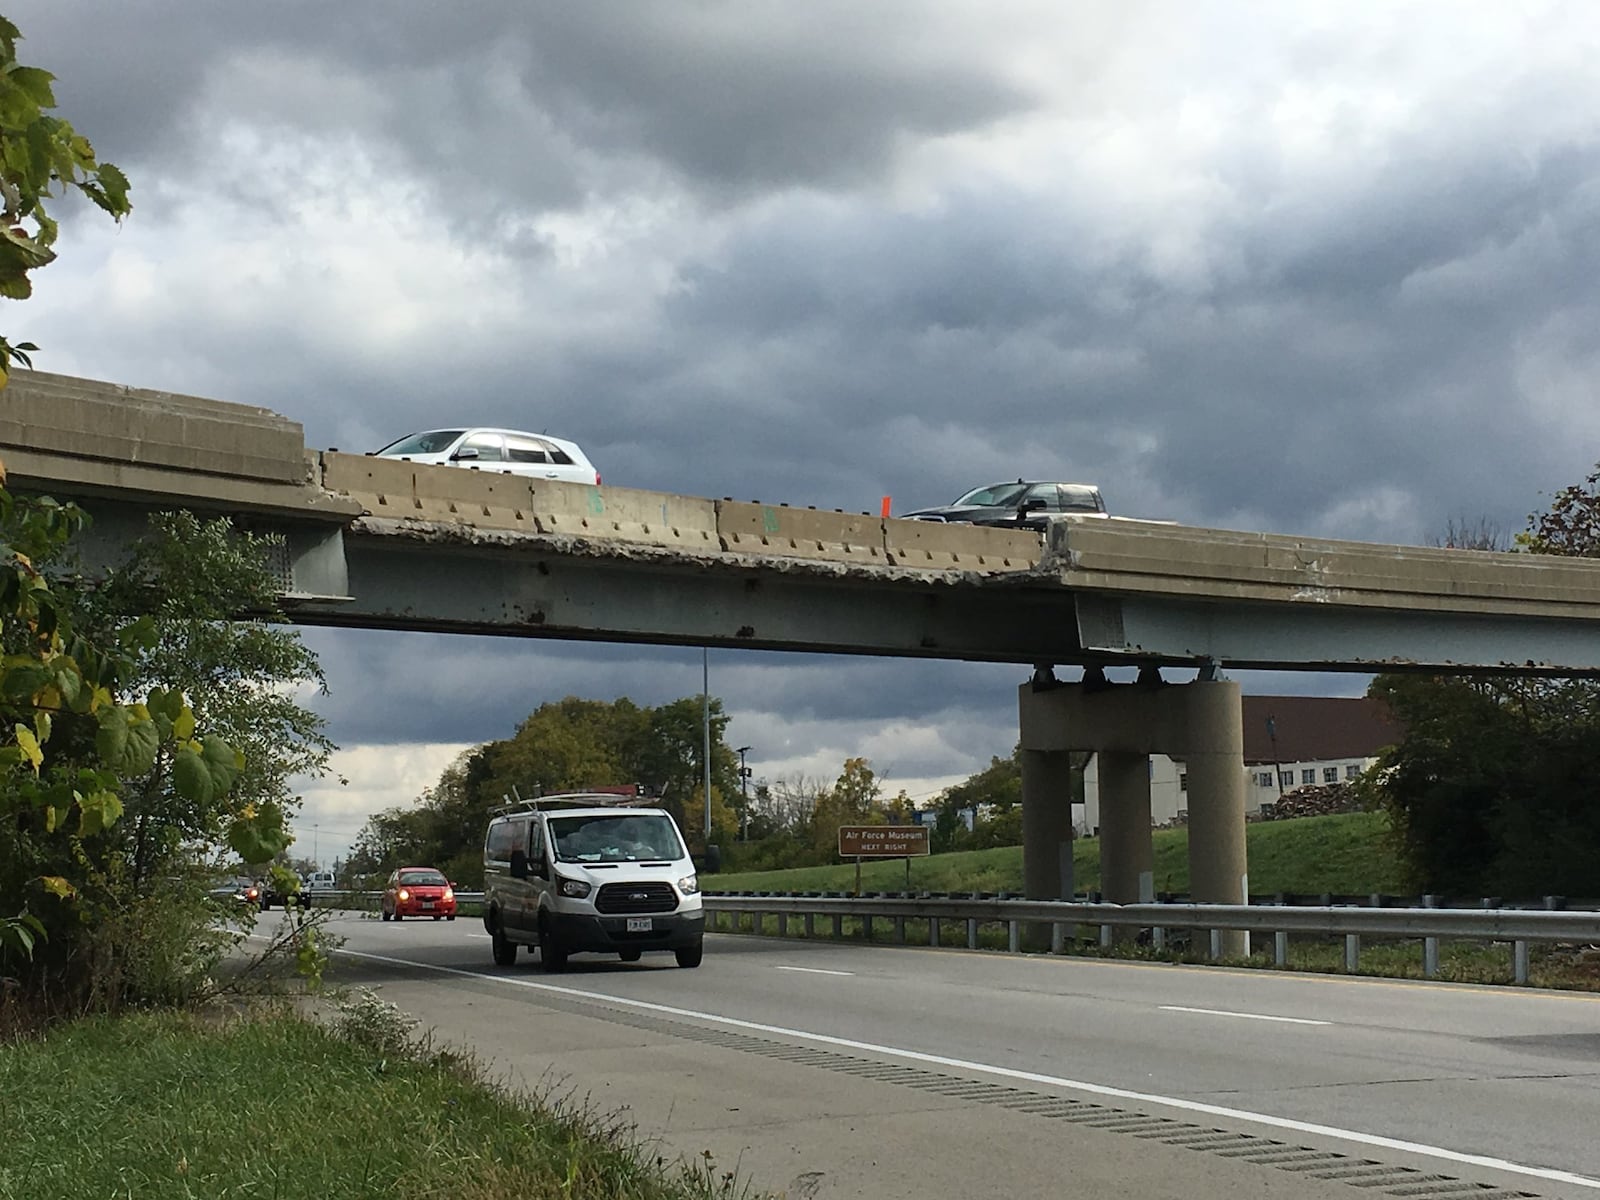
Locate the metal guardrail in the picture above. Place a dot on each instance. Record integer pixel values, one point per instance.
(1518, 926)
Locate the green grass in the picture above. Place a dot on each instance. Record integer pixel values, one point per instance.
(1347, 853)
(173, 1105)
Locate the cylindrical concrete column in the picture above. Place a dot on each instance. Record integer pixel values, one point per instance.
(1127, 855)
(1214, 760)
(1047, 824)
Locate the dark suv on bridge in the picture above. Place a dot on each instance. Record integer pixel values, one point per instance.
(1023, 504)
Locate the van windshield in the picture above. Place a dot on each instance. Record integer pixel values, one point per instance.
(615, 838)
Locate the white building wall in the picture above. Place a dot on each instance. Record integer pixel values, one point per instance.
(1168, 791)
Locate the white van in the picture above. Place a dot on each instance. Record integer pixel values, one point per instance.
(580, 872)
(318, 881)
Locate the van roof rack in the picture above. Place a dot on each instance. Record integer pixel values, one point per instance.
(576, 800)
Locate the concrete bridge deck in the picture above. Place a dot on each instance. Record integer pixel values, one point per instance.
(386, 543)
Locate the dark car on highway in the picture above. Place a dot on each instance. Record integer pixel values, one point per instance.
(1023, 504)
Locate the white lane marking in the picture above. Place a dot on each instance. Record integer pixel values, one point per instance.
(1223, 1012)
(1073, 1085)
(813, 970)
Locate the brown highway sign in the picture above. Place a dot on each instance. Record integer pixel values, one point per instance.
(883, 841)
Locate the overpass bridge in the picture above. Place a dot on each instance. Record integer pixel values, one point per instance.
(380, 543)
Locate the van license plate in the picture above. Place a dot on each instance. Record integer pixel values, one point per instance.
(639, 925)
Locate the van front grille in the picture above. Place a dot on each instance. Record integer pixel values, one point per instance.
(636, 898)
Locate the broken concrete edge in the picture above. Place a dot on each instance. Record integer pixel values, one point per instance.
(465, 536)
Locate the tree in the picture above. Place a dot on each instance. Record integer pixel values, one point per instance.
(41, 157)
(565, 745)
(220, 639)
(1490, 791)
(1571, 525)
(69, 742)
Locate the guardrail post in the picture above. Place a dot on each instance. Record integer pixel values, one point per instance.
(783, 924)
(1158, 938)
(1519, 960)
(933, 931)
(1280, 948)
(1430, 945)
(1014, 936)
(972, 933)
(866, 926)
(900, 931)
(811, 924)
(1216, 944)
(1058, 938)
(838, 925)
(1105, 937)
(1352, 951)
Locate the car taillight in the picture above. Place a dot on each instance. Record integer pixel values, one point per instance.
(449, 894)
(251, 894)
(597, 479)
(403, 894)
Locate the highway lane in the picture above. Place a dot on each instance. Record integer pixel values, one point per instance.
(1421, 1071)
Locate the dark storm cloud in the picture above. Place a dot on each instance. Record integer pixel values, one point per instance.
(804, 264)
(527, 100)
(398, 687)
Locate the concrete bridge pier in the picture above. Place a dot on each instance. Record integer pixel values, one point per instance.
(1046, 833)
(1123, 724)
(1127, 851)
(1214, 758)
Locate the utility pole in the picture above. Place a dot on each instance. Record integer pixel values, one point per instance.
(705, 717)
(315, 861)
(1277, 767)
(744, 795)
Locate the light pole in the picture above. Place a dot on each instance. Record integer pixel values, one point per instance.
(744, 795)
(705, 718)
(315, 861)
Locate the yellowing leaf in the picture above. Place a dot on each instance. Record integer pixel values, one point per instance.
(29, 745)
(57, 886)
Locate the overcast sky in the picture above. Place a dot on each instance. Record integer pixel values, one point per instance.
(1318, 268)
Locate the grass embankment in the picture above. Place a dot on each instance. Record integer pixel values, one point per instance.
(174, 1105)
(1348, 854)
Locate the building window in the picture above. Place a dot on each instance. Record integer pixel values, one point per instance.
(1264, 779)
(1183, 782)
(1330, 774)
(1308, 775)
(1286, 779)
(1352, 770)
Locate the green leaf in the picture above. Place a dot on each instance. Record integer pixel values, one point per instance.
(144, 740)
(111, 739)
(183, 725)
(35, 84)
(223, 763)
(100, 811)
(193, 781)
(42, 726)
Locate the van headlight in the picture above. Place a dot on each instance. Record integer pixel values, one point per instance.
(574, 887)
(689, 885)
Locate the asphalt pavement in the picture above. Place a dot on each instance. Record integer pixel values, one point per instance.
(821, 1069)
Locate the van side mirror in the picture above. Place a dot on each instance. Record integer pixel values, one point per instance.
(519, 864)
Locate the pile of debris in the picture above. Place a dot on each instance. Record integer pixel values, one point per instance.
(1312, 800)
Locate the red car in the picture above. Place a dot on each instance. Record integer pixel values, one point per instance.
(418, 892)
